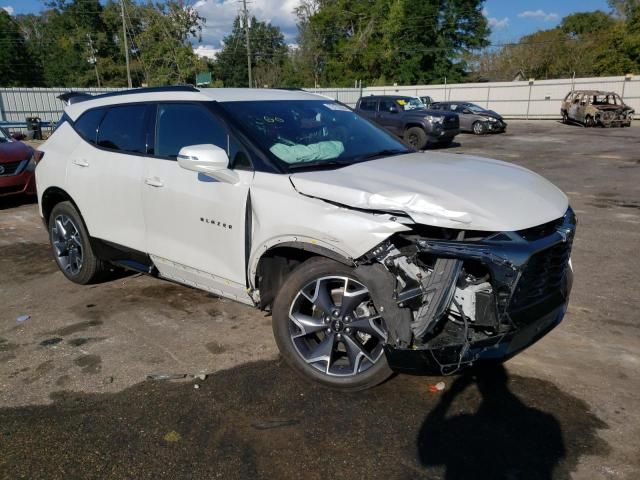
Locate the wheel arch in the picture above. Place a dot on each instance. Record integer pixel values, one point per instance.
(271, 268)
(53, 196)
(412, 124)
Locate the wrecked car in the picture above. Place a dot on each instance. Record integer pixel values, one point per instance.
(595, 108)
(474, 118)
(16, 166)
(371, 257)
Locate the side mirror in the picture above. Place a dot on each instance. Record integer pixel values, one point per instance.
(209, 160)
(466, 111)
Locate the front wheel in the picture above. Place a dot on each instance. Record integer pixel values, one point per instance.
(416, 137)
(589, 122)
(478, 128)
(565, 118)
(328, 329)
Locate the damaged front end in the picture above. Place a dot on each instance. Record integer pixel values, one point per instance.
(452, 298)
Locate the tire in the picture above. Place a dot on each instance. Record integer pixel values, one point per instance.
(71, 246)
(565, 118)
(588, 122)
(416, 137)
(478, 128)
(330, 347)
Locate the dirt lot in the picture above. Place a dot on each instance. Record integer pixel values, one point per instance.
(75, 401)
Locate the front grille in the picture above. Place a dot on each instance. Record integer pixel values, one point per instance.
(543, 277)
(10, 168)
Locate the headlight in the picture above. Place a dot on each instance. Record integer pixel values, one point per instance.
(434, 119)
(491, 119)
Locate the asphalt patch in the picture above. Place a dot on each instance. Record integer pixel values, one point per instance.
(89, 363)
(77, 327)
(50, 341)
(21, 261)
(260, 421)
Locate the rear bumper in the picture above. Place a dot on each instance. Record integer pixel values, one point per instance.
(499, 348)
(23, 183)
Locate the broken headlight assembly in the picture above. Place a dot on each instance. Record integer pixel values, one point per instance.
(453, 298)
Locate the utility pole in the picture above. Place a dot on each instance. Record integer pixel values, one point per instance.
(246, 34)
(126, 46)
(94, 58)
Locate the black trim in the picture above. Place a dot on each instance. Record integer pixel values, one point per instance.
(248, 228)
(123, 256)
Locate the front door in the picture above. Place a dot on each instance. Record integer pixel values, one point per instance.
(195, 225)
(389, 116)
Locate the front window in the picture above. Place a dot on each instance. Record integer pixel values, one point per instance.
(474, 108)
(410, 103)
(311, 133)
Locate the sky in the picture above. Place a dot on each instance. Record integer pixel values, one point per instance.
(509, 19)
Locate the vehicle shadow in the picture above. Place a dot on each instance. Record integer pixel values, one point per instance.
(17, 201)
(498, 441)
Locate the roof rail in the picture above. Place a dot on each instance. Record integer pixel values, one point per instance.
(132, 91)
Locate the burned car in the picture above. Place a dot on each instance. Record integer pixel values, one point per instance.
(594, 108)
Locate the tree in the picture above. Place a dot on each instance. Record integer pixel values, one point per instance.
(268, 55)
(403, 41)
(17, 67)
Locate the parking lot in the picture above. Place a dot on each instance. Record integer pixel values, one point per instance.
(84, 394)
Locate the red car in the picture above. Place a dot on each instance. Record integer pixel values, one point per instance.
(16, 167)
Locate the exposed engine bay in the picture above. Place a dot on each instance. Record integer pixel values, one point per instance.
(468, 296)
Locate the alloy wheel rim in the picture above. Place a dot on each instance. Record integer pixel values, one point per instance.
(335, 327)
(67, 244)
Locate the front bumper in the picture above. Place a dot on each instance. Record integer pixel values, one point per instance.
(531, 277)
(440, 135)
(21, 183)
(496, 349)
(495, 127)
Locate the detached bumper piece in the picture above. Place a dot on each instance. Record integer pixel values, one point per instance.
(479, 299)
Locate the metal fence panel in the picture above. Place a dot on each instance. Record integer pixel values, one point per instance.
(536, 99)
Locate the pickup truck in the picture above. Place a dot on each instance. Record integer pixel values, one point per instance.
(408, 118)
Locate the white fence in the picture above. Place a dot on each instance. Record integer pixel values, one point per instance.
(18, 103)
(536, 99)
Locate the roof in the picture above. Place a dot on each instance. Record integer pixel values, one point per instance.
(593, 92)
(189, 94)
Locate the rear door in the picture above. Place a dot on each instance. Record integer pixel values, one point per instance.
(105, 170)
(367, 108)
(195, 225)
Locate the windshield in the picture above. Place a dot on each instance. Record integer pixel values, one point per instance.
(474, 108)
(410, 103)
(311, 133)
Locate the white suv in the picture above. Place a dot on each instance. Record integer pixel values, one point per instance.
(370, 256)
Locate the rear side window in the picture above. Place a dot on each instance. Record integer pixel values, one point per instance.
(368, 104)
(179, 125)
(123, 128)
(87, 124)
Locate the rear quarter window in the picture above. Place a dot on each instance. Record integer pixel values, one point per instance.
(87, 124)
(368, 105)
(123, 128)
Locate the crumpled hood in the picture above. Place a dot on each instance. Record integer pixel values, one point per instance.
(440, 189)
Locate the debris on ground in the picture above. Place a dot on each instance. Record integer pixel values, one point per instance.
(166, 376)
(274, 423)
(437, 387)
(23, 318)
(172, 436)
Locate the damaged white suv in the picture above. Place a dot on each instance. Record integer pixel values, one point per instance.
(370, 256)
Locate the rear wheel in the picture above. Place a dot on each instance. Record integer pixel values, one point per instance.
(416, 137)
(71, 247)
(478, 128)
(327, 327)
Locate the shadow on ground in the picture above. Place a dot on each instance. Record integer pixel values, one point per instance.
(258, 421)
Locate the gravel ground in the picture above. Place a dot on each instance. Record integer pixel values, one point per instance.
(75, 400)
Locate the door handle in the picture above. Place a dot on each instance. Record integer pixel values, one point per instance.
(154, 182)
(80, 163)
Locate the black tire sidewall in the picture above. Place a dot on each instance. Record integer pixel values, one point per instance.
(90, 263)
(421, 137)
(301, 276)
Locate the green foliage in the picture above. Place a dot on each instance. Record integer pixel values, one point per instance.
(584, 44)
(268, 56)
(17, 65)
(401, 41)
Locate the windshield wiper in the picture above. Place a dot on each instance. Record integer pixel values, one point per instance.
(318, 164)
(381, 153)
